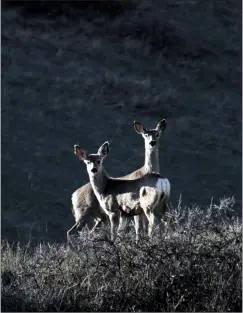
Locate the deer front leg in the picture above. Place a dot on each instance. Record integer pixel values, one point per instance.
(113, 220)
(137, 224)
(122, 224)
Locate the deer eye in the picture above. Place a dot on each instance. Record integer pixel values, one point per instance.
(88, 162)
(146, 135)
(98, 162)
(157, 135)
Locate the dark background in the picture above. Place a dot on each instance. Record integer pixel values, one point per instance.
(80, 73)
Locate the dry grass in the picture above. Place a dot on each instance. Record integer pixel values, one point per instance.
(81, 72)
(194, 268)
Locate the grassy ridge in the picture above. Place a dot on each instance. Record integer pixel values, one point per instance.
(81, 72)
(195, 267)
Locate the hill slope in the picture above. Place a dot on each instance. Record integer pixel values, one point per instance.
(82, 74)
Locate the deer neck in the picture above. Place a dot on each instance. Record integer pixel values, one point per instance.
(99, 183)
(151, 163)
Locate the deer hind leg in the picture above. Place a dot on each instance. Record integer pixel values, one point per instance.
(163, 223)
(163, 220)
(151, 221)
(144, 222)
(97, 223)
(138, 223)
(137, 226)
(148, 200)
(151, 224)
(74, 227)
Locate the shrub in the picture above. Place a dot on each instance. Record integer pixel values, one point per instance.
(196, 266)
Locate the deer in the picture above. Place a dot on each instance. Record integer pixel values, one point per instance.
(121, 197)
(85, 206)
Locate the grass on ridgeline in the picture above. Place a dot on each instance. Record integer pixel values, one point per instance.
(196, 266)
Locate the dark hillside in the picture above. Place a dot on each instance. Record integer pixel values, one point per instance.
(81, 73)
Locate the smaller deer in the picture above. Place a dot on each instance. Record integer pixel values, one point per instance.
(119, 198)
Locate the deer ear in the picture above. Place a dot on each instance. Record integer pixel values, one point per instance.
(82, 155)
(161, 125)
(104, 149)
(138, 127)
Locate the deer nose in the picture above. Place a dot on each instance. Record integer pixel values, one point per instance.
(153, 143)
(94, 170)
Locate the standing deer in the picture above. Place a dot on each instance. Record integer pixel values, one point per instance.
(119, 196)
(85, 206)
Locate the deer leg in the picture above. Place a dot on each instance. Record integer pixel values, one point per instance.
(163, 223)
(137, 224)
(151, 224)
(151, 221)
(146, 212)
(113, 221)
(122, 224)
(74, 227)
(97, 223)
(161, 226)
(144, 221)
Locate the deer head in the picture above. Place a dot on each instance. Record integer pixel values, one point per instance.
(93, 161)
(151, 136)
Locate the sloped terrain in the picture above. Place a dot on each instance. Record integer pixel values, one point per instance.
(80, 74)
(196, 267)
